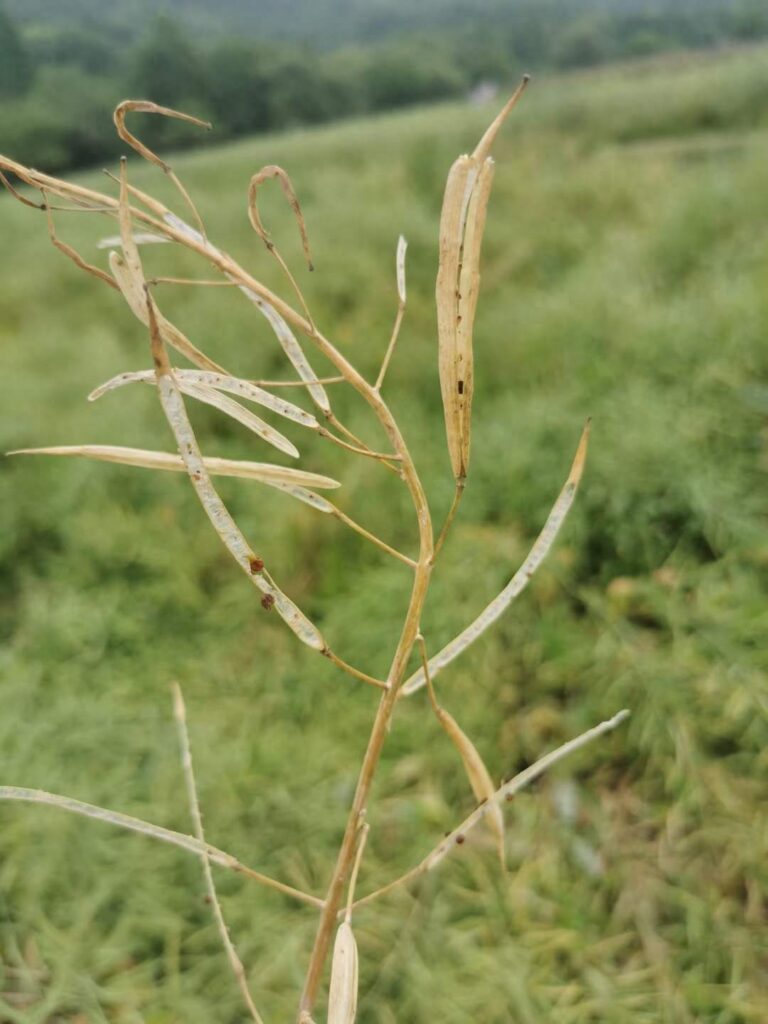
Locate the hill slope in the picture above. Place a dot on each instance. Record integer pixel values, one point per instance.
(624, 277)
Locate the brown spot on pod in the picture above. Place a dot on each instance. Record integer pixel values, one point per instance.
(267, 602)
(460, 840)
(255, 564)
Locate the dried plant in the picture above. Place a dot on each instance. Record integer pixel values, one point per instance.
(141, 220)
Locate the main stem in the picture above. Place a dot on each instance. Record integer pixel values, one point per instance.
(387, 704)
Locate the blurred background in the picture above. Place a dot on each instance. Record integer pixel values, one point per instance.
(625, 276)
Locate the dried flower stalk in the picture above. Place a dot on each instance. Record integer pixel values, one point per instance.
(142, 219)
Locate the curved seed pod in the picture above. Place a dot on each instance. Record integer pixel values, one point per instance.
(479, 778)
(264, 472)
(342, 999)
(220, 382)
(238, 412)
(148, 107)
(519, 581)
(274, 171)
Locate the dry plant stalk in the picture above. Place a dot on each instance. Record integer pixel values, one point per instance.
(142, 219)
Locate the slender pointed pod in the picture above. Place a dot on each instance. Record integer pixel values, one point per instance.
(220, 382)
(519, 581)
(233, 409)
(221, 520)
(179, 839)
(296, 483)
(292, 349)
(264, 472)
(455, 839)
(478, 775)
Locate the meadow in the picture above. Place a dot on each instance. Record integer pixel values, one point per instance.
(625, 277)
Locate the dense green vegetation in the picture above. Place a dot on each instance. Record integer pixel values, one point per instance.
(254, 68)
(626, 277)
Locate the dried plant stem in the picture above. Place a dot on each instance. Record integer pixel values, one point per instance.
(390, 347)
(152, 281)
(352, 671)
(457, 496)
(297, 383)
(75, 256)
(235, 962)
(344, 518)
(369, 453)
(147, 828)
(364, 830)
(506, 792)
(402, 247)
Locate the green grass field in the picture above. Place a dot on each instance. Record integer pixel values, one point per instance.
(625, 277)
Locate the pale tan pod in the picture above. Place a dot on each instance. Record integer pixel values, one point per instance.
(469, 285)
(264, 472)
(447, 299)
(478, 775)
(342, 999)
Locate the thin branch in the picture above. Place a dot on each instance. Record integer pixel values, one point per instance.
(457, 496)
(506, 792)
(402, 245)
(352, 671)
(235, 962)
(364, 830)
(75, 256)
(344, 518)
(369, 453)
(152, 281)
(166, 835)
(297, 383)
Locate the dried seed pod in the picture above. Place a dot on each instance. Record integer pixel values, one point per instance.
(462, 223)
(342, 999)
(220, 382)
(519, 581)
(264, 472)
(478, 775)
(447, 298)
(274, 171)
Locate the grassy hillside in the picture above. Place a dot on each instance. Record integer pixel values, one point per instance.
(625, 277)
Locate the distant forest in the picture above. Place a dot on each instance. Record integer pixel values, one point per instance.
(262, 65)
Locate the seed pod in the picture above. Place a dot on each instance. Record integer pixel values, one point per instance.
(342, 999)
(479, 778)
(462, 223)
(447, 297)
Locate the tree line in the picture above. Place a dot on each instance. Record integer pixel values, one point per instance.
(59, 84)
